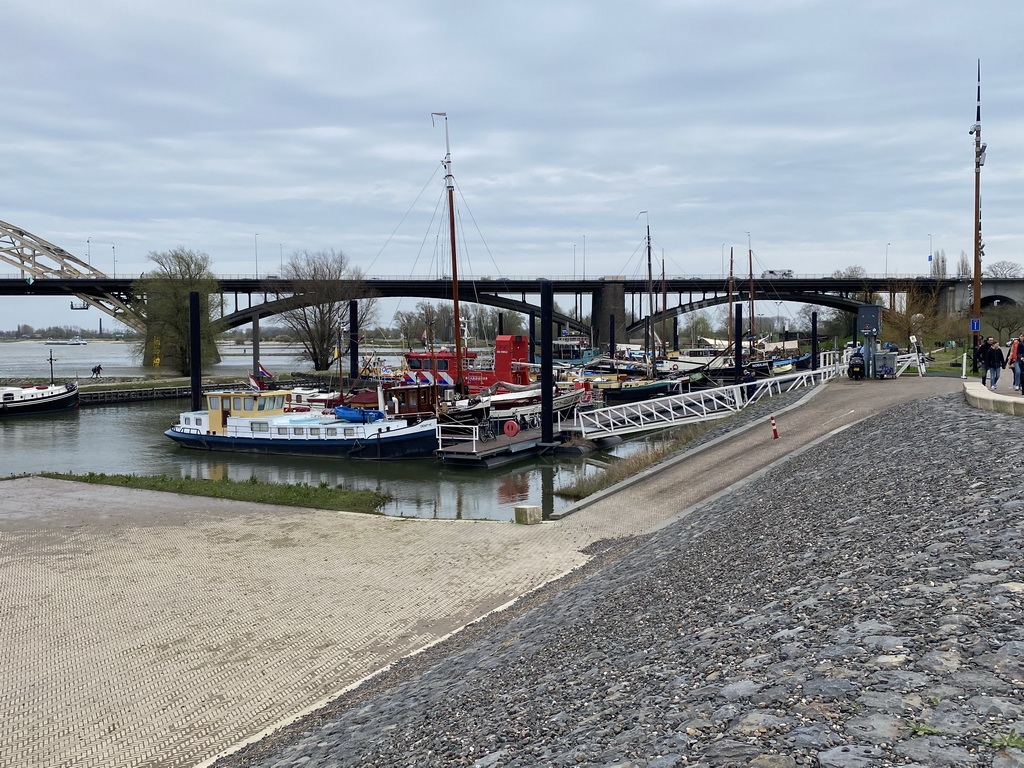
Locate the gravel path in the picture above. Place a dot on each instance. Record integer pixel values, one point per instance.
(860, 606)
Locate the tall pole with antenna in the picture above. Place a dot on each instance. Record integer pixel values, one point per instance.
(650, 281)
(449, 181)
(979, 160)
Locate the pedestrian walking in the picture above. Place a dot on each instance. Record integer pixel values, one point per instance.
(1014, 358)
(979, 359)
(994, 363)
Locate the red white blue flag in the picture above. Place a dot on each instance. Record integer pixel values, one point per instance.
(264, 372)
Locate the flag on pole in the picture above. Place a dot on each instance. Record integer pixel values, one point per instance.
(264, 372)
(255, 384)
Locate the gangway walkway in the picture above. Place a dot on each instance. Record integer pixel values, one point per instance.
(702, 405)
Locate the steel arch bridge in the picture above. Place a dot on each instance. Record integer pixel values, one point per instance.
(802, 297)
(38, 259)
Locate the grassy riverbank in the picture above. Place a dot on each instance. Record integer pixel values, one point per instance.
(300, 495)
(634, 464)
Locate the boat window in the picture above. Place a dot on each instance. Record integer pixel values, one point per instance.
(8, 396)
(282, 430)
(442, 365)
(260, 426)
(300, 431)
(187, 420)
(262, 404)
(314, 431)
(199, 422)
(415, 363)
(236, 403)
(332, 431)
(350, 432)
(214, 402)
(249, 403)
(280, 401)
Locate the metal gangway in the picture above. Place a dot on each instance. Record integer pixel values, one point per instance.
(691, 407)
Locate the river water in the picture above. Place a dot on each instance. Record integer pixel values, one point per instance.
(128, 439)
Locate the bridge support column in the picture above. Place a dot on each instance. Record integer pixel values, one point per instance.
(256, 345)
(609, 300)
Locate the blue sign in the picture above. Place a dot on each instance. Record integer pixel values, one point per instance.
(975, 324)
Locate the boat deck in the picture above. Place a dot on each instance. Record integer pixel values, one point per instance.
(472, 451)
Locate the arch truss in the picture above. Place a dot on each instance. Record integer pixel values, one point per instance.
(38, 259)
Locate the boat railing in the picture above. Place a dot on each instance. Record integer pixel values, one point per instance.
(452, 433)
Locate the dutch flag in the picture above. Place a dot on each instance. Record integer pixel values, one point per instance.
(264, 372)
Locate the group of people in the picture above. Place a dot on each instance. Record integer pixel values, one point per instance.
(991, 358)
(96, 371)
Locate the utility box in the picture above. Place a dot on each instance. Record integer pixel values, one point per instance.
(869, 320)
(885, 365)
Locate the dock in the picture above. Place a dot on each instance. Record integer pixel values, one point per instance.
(476, 446)
(104, 396)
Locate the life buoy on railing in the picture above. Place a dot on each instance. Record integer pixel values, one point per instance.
(675, 367)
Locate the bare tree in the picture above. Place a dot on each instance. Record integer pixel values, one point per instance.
(963, 266)
(1002, 269)
(1006, 320)
(178, 273)
(937, 268)
(322, 280)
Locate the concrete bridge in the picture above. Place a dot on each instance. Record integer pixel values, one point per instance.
(43, 269)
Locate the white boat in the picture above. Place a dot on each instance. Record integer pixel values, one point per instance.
(44, 398)
(74, 341)
(267, 422)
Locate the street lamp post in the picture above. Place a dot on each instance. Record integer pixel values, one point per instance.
(887, 259)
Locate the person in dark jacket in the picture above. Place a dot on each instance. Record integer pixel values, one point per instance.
(994, 362)
(979, 358)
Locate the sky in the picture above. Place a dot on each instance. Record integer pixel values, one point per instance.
(820, 134)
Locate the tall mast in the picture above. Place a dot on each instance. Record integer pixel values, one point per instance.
(729, 329)
(664, 308)
(979, 160)
(449, 181)
(650, 297)
(750, 266)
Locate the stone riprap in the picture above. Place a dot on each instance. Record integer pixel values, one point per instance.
(860, 605)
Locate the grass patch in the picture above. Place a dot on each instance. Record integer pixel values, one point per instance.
(922, 729)
(631, 465)
(1012, 739)
(252, 490)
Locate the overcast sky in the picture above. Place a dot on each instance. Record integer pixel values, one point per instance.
(834, 132)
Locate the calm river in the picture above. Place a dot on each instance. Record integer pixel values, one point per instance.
(128, 439)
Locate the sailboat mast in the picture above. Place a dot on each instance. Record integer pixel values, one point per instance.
(750, 265)
(664, 307)
(729, 329)
(449, 181)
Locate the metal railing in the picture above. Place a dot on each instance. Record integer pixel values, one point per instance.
(702, 405)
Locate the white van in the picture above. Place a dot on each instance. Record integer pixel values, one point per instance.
(773, 274)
